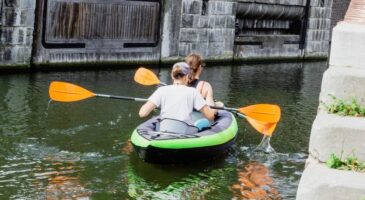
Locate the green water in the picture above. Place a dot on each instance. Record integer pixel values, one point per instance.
(51, 150)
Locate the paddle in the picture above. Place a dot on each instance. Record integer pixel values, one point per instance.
(266, 113)
(68, 92)
(147, 77)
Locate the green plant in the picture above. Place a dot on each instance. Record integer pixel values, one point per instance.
(345, 108)
(351, 163)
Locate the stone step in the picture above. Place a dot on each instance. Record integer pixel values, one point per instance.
(348, 46)
(343, 83)
(322, 183)
(337, 134)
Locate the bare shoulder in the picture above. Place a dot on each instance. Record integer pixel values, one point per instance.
(207, 86)
(204, 84)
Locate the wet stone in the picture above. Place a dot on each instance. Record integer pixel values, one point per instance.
(10, 17)
(21, 36)
(203, 22)
(7, 35)
(187, 21)
(215, 35)
(7, 54)
(220, 22)
(192, 7)
(189, 35)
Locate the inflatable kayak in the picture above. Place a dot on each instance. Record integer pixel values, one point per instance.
(170, 147)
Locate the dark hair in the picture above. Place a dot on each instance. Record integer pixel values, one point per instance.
(177, 72)
(196, 61)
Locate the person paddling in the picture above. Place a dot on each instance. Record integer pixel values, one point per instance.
(177, 102)
(195, 61)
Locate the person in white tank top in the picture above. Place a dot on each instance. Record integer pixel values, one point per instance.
(177, 101)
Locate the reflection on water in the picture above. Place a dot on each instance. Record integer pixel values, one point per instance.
(254, 183)
(189, 181)
(65, 187)
(127, 148)
(82, 149)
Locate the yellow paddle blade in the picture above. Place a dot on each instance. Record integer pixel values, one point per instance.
(262, 127)
(68, 92)
(262, 112)
(145, 76)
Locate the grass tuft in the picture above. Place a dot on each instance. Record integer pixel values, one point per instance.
(351, 163)
(345, 108)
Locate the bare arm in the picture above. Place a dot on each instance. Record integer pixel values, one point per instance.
(209, 96)
(208, 91)
(146, 109)
(208, 112)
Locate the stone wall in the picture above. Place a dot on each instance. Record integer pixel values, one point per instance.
(16, 32)
(205, 27)
(318, 32)
(224, 30)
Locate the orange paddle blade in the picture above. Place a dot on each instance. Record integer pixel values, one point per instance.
(262, 127)
(262, 112)
(145, 76)
(68, 92)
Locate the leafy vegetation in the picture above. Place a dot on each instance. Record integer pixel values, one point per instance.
(350, 164)
(345, 108)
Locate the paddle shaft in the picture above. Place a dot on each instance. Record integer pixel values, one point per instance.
(224, 108)
(234, 110)
(121, 97)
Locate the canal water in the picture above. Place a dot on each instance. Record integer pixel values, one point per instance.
(51, 150)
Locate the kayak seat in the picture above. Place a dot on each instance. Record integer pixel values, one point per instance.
(175, 126)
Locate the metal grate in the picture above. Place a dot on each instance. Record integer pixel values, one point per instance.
(133, 23)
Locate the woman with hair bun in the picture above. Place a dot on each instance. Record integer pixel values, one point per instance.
(177, 101)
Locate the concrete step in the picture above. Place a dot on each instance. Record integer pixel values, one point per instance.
(337, 134)
(319, 182)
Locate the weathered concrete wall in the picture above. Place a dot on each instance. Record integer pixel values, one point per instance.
(171, 29)
(16, 33)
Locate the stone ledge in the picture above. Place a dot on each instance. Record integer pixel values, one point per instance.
(322, 183)
(348, 45)
(337, 134)
(344, 83)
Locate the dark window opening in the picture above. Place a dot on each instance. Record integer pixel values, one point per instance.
(204, 7)
(295, 27)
